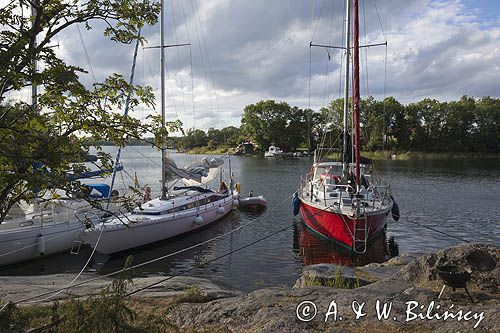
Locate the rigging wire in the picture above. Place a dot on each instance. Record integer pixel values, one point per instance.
(379, 21)
(178, 61)
(319, 18)
(190, 58)
(197, 29)
(86, 53)
(367, 90)
(330, 115)
(209, 64)
(325, 88)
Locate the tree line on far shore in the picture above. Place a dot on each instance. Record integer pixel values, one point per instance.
(466, 125)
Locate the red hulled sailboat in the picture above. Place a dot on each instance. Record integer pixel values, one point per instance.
(340, 200)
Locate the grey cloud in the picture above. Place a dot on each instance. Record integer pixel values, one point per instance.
(260, 49)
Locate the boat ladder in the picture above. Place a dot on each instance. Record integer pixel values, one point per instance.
(360, 235)
(77, 244)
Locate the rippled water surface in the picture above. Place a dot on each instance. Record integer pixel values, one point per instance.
(459, 197)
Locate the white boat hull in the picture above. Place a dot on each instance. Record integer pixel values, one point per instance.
(44, 233)
(23, 244)
(119, 237)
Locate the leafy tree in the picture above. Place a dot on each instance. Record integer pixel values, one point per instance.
(215, 136)
(268, 122)
(460, 117)
(332, 121)
(193, 138)
(486, 128)
(40, 144)
(232, 136)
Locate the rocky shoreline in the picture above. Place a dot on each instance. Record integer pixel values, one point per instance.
(416, 282)
(408, 286)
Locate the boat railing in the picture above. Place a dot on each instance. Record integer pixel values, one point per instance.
(381, 191)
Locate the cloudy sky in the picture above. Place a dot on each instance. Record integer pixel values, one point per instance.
(243, 51)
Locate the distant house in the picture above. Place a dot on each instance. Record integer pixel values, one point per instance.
(245, 148)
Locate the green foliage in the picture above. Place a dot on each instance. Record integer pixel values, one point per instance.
(466, 125)
(463, 126)
(214, 139)
(12, 319)
(268, 122)
(337, 281)
(192, 294)
(107, 311)
(40, 144)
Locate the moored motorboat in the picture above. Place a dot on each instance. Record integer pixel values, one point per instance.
(273, 151)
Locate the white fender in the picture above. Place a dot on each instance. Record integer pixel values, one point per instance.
(236, 203)
(40, 244)
(198, 219)
(221, 210)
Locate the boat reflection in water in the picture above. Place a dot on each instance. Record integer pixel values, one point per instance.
(314, 250)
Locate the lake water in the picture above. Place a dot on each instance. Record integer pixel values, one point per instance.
(457, 197)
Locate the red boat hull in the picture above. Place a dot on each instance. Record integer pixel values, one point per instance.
(340, 228)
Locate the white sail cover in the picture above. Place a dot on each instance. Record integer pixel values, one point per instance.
(195, 171)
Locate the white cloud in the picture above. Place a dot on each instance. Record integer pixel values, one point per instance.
(259, 50)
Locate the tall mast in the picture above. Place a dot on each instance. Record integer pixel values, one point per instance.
(163, 129)
(125, 113)
(357, 141)
(345, 148)
(34, 87)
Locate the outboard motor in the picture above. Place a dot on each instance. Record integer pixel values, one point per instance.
(295, 204)
(395, 209)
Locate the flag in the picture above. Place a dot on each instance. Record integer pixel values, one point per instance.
(136, 180)
(231, 183)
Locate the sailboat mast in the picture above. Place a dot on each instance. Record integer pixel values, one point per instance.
(345, 148)
(125, 113)
(357, 141)
(163, 129)
(34, 86)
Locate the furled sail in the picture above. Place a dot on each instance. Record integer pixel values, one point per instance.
(195, 171)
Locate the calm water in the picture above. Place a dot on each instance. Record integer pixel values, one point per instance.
(457, 197)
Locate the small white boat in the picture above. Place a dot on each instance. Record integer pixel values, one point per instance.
(273, 151)
(252, 202)
(185, 210)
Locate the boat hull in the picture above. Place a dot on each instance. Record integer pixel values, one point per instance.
(340, 227)
(23, 244)
(122, 238)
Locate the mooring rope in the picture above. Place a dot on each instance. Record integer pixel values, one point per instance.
(155, 259)
(439, 231)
